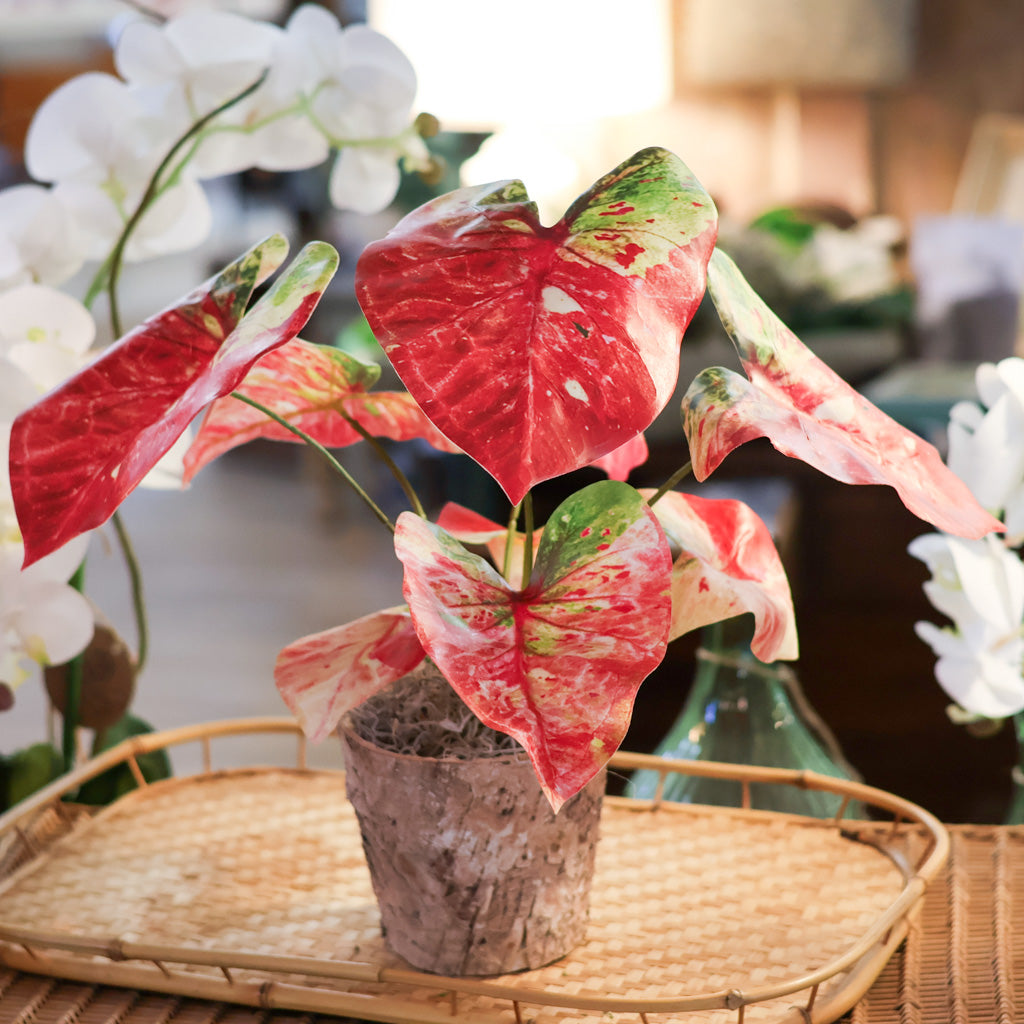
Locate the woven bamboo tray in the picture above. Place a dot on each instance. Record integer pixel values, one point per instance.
(249, 886)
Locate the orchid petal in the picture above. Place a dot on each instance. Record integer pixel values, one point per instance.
(556, 665)
(47, 246)
(809, 413)
(364, 179)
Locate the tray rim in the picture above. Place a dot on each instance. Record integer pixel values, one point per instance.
(61, 955)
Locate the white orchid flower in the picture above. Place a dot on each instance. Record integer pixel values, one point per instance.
(188, 66)
(39, 240)
(96, 143)
(979, 585)
(45, 334)
(42, 619)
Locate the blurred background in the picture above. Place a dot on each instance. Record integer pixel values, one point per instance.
(867, 157)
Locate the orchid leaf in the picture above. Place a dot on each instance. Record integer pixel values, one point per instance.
(322, 676)
(313, 387)
(538, 350)
(556, 665)
(469, 527)
(810, 413)
(78, 452)
(728, 565)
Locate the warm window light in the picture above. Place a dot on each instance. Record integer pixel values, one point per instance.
(486, 65)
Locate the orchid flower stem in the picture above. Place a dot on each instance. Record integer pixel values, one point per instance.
(510, 533)
(680, 474)
(111, 268)
(528, 545)
(138, 600)
(382, 454)
(73, 692)
(332, 461)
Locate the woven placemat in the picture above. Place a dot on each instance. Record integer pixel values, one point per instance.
(268, 861)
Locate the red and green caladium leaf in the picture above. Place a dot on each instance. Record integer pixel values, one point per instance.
(77, 453)
(810, 413)
(469, 527)
(556, 665)
(313, 387)
(322, 676)
(728, 565)
(540, 349)
(619, 463)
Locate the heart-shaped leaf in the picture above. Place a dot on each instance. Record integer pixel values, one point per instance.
(314, 387)
(810, 413)
(727, 565)
(77, 453)
(540, 349)
(619, 463)
(322, 676)
(556, 665)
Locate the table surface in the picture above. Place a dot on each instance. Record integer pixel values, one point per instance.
(962, 961)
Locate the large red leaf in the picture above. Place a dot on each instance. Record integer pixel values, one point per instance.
(810, 413)
(540, 349)
(310, 386)
(322, 676)
(77, 453)
(727, 565)
(556, 665)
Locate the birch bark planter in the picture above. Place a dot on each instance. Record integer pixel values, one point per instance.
(474, 874)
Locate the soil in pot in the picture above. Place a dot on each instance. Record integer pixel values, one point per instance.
(474, 873)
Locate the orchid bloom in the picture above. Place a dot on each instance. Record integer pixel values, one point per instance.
(98, 146)
(39, 240)
(42, 619)
(979, 585)
(985, 448)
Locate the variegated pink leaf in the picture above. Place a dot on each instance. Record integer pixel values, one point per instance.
(541, 349)
(728, 565)
(322, 676)
(810, 413)
(556, 665)
(310, 386)
(78, 452)
(620, 463)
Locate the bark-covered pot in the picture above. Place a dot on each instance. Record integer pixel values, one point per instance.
(474, 873)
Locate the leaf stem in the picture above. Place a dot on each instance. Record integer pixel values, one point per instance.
(382, 453)
(138, 599)
(313, 443)
(116, 257)
(510, 534)
(680, 474)
(528, 546)
(73, 692)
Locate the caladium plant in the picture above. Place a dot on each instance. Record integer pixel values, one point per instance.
(535, 350)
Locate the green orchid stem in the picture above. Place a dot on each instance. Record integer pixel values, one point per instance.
(381, 452)
(332, 461)
(73, 692)
(528, 546)
(680, 474)
(510, 534)
(112, 266)
(138, 600)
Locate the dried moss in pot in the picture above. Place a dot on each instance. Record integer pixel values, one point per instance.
(473, 871)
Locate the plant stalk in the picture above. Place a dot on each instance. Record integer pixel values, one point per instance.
(382, 453)
(680, 474)
(313, 443)
(528, 546)
(138, 598)
(73, 692)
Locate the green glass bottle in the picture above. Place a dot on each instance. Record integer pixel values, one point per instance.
(742, 711)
